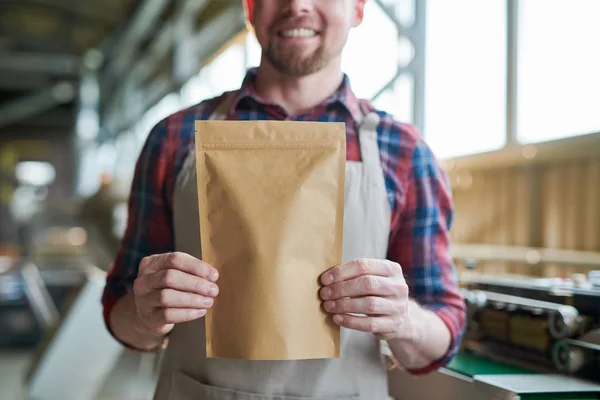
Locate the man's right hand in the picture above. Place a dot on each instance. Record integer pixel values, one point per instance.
(172, 288)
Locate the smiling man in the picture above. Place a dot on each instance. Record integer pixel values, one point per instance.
(397, 282)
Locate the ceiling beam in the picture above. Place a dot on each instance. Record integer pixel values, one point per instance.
(212, 37)
(21, 39)
(228, 23)
(185, 54)
(25, 132)
(31, 105)
(68, 8)
(124, 51)
(52, 64)
(55, 118)
(22, 81)
(133, 77)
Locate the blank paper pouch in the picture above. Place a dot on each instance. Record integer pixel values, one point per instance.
(271, 202)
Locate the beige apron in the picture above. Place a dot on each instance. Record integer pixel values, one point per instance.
(360, 373)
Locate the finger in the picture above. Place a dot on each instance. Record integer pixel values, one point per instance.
(361, 267)
(177, 315)
(179, 261)
(369, 305)
(177, 280)
(359, 287)
(169, 298)
(160, 330)
(380, 325)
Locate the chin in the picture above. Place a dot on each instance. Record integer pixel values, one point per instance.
(300, 71)
(296, 63)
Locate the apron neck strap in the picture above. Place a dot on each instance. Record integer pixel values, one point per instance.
(367, 138)
(369, 120)
(368, 123)
(222, 110)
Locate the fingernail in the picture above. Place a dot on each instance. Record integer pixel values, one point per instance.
(208, 301)
(213, 276)
(330, 305)
(213, 290)
(338, 318)
(326, 293)
(327, 279)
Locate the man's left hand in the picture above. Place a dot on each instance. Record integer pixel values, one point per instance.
(374, 288)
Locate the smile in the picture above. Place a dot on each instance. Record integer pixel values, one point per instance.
(298, 33)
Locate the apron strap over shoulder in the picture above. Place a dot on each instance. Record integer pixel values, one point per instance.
(367, 136)
(188, 168)
(370, 120)
(222, 109)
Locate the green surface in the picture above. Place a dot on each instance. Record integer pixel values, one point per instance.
(562, 396)
(470, 364)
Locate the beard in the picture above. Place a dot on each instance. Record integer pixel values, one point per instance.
(292, 61)
(288, 61)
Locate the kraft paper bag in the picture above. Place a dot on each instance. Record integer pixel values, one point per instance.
(271, 202)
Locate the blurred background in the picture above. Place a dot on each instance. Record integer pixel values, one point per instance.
(506, 92)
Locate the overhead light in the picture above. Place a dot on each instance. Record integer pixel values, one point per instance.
(35, 173)
(63, 92)
(93, 59)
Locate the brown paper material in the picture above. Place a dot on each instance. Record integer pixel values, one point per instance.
(271, 207)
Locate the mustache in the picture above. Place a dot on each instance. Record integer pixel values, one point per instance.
(294, 22)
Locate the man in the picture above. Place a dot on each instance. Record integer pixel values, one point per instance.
(397, 270)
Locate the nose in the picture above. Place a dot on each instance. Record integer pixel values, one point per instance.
(298, 7)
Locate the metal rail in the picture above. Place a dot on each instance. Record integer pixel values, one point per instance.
(526, 255)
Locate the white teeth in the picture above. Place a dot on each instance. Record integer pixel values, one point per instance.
(296, 33)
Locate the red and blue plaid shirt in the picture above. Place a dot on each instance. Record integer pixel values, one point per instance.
(418, 192)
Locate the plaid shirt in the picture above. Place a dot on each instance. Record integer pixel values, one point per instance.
(418, 192)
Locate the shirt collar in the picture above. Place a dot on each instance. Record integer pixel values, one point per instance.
(343, 96)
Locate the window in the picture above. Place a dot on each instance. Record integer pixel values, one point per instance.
(225, 72)
(168, 105)
(403, 10)
(558, 69)
(465, 76)
(127, 147)
(398, 100)
(253, 51)
(371, 55)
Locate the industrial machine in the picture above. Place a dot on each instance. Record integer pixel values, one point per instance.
(546, 325)
(525, 339)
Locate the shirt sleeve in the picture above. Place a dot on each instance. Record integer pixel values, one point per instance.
(420, 244)
(149, 227)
